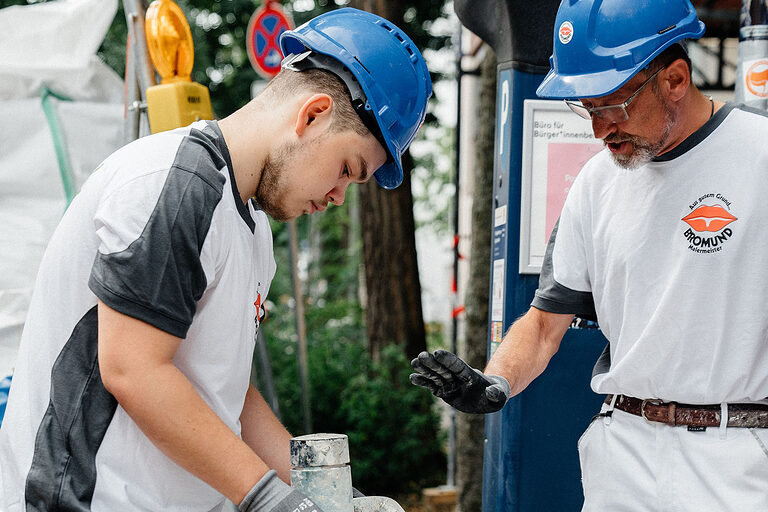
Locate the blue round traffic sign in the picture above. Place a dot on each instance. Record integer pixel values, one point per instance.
(263, 37)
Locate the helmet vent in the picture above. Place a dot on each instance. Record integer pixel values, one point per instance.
(365, 68)
(664, 30)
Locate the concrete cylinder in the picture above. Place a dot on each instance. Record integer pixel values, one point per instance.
(320, 469)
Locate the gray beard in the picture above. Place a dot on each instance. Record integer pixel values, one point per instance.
(643, 153)
(643, 150)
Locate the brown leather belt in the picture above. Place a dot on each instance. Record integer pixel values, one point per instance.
(673, 413)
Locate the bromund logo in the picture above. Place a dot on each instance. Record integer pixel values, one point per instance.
(566, 32)
(708, 220)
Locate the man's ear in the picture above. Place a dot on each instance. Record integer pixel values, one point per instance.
(316, 111)
(676, 79)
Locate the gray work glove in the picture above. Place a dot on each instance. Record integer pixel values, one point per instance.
(459, 385)
(270, 494)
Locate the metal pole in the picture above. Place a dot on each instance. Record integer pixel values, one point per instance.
(139, 74)
(301, 329)
(266, 370)
(451, 471)
(134, 17)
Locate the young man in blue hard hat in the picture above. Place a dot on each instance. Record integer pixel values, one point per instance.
(660, 240)
(132, 387)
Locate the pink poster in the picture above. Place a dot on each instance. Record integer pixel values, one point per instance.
(564, 161)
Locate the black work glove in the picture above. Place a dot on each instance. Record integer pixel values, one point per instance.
(270, 494)
(459, 385)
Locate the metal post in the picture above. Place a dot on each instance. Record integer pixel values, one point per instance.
(301, 329)
(139, 74)
(266, 370)
(451, 462)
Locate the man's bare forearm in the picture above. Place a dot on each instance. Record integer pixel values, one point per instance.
(527, 347)
(263, 432)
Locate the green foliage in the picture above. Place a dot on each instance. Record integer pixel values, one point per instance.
(393, 431)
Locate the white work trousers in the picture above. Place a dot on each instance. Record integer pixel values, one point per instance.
(629, 464)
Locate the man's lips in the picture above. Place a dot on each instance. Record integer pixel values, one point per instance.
(314, 207)
(617, 147)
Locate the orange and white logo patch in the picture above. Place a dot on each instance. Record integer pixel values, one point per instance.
(709, 218)
(756, 78)
(565, 33)
(261, 311)
(708, 221)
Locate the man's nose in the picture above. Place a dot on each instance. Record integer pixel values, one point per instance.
(601, 128)
(338, 193)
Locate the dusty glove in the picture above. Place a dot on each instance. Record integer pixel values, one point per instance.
(458, 384)
(270, 494)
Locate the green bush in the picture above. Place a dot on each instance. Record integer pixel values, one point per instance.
(395, 443)
(393, 432)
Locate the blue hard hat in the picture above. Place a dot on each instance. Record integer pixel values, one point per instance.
(387, 67)
(600, 44)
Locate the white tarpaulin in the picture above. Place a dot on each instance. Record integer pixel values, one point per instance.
(62, 113)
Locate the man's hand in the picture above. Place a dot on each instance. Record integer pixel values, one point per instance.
(458, 384)
(270, 494)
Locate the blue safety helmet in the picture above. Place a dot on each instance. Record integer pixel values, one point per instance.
(600, 44)
(384, 71)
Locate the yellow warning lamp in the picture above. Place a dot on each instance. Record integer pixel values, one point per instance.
(177, 101)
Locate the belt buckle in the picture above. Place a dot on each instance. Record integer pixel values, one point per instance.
(642, 408)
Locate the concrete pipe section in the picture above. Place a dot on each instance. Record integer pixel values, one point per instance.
(320, 469)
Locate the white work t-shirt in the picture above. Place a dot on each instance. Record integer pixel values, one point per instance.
(672, 258)
(159, 233)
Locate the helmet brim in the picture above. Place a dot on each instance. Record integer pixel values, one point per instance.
(389, 175)
(592, 85)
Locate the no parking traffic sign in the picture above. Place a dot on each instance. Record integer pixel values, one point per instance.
(262, 38)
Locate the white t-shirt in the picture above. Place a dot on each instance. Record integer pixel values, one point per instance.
(158, 232)
(673, 259)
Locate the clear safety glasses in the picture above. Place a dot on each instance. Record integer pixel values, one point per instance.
(610, 113)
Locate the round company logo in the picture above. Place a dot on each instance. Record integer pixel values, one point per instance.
(565, 33)
(756, 78)
(709, 223)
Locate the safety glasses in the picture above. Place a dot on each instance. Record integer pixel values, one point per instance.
(610, 113)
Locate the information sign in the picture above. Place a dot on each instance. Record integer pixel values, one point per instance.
(556, 145)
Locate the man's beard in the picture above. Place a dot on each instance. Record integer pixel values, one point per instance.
(643, 150)
(269, 194)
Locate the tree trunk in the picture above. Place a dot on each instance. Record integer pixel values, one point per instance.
(393, 309)
(470, 427)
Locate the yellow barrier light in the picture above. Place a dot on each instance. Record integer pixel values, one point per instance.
(177, 101)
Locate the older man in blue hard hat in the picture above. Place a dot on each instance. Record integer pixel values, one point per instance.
(132, 389)
(660, 239)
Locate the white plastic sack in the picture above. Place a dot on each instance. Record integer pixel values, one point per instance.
(49, 45)
(56, 43)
